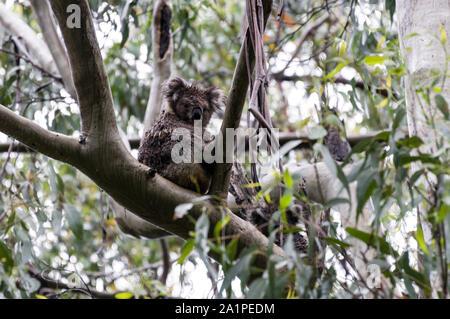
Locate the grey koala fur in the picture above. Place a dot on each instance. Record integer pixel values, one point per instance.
(184, 103)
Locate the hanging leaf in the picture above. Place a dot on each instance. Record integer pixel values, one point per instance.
(373, 241)
(285, 201)
(74, 219)
(219, 226)
(336, 70)
(374, 60)
(186, 250)
(6, 258)
(288, 179)
(442, 105)
(390, 6)
(420, 240)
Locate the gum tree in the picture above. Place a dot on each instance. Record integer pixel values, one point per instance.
(364, 186)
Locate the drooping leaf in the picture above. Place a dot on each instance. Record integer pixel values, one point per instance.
(285, 201)
(372, 240)
(73, 217)
(6, 258)
(420, 240)
(186, 250)
(442, 105)
(219, 226)
(288, 179)
(317, 132)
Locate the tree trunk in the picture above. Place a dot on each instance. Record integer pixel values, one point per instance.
(423, 26)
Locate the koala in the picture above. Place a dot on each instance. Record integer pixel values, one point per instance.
(184, 103)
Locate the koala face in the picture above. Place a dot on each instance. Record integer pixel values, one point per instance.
(191, 103)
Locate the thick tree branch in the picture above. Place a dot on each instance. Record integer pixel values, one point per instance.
(162, 58)
(33, 46)
(88, 70)
(162, 48)
(127, 181)
(132, 224)
(52, 144)
(233, 111)
(44, 18)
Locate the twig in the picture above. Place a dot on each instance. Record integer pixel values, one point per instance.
(55, 284)
(304, 36)
(102, 224)
(166, 260)
(59, 79)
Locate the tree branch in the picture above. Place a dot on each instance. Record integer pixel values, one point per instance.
(36, 49)
(52, 144)
(162, 58)
(44, 18)
(134, 225)
(233, 111)
(88, 70)
(280, 77)
(47, 282)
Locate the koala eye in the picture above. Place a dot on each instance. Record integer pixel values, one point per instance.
(197, 113)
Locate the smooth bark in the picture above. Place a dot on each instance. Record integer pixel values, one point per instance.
(44, 18)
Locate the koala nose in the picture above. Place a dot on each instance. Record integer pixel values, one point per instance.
(196, 113)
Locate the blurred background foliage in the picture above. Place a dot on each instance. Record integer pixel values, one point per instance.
(55, 223)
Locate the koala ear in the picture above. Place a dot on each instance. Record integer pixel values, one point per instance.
(216, 98)
(173, 88)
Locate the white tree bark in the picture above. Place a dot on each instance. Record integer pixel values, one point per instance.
(423, 28)
(34, 47)
(420, 24)
(162, 58)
